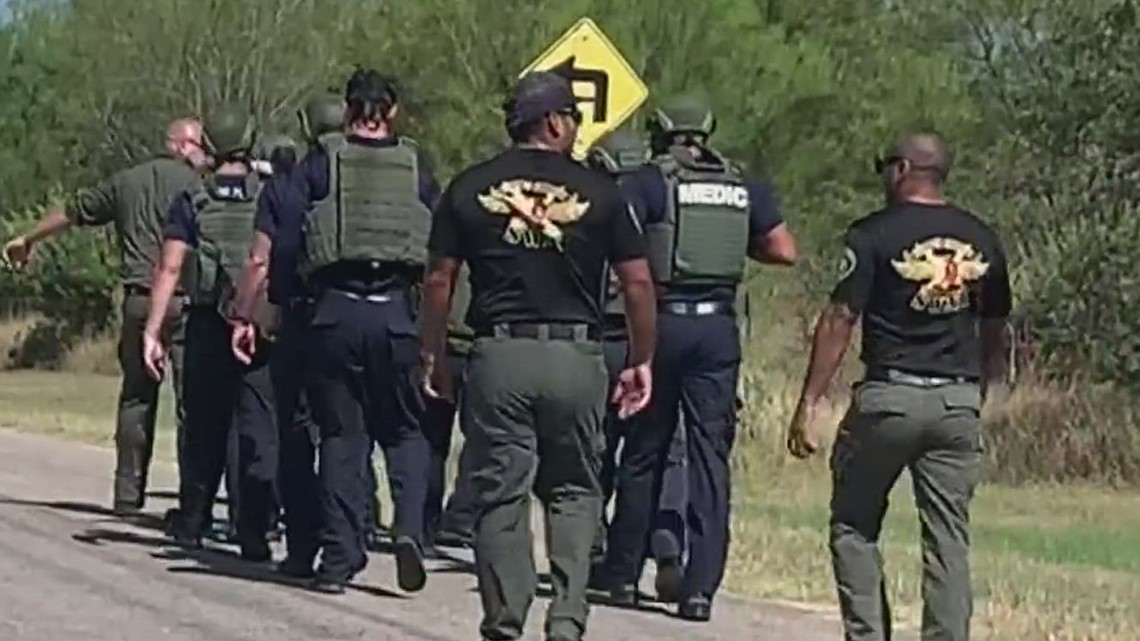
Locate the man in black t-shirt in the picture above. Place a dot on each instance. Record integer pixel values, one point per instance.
(537, 231)
(931, 285)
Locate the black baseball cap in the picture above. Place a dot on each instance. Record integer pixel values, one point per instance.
(536, 94)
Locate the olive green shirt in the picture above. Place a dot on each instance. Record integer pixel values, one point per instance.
(136, 201)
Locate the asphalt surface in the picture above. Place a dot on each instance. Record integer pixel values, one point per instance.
(69, 570)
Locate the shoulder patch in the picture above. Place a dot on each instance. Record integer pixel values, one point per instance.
(847, 264)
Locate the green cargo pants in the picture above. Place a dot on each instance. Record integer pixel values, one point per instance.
(138, 398)
(934, 432)
(533, 412)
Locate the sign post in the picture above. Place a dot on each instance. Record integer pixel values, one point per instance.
(608, 89)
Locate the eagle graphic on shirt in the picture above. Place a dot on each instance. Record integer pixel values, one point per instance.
(945, 267)
(537, 210)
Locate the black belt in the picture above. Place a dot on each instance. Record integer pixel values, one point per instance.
(577, 332)
(709, 308)
(139, 290)
(298, 304)
(136, 290)
(378, 297)
(891, 375)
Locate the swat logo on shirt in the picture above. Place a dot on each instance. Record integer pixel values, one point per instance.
(944, 268)
(717, 194)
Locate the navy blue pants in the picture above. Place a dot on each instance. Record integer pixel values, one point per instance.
(223, 397)
(673, 498)
(363, 389)
(297, 483)
(459, 517)
(696, 368)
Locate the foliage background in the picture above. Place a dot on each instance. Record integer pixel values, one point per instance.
(1039, 98)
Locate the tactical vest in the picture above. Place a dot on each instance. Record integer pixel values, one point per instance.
(373, 210)
(225, 234)
(703, 239)
(457, 327)
(460, 335)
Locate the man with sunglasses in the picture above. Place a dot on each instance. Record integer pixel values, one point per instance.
(703, 220)
(135, 200)
(931, 285)
(537, 231)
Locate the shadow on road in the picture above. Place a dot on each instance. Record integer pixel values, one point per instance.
(209, 560)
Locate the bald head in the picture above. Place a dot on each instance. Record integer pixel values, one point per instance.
(184, 140)
(185, 129)
(926, 152)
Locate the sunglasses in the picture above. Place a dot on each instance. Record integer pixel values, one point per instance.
(573, 112)
(882, 163)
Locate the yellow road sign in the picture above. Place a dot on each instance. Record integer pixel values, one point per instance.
(608, 89)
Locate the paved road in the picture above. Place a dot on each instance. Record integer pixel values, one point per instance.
(68, 571)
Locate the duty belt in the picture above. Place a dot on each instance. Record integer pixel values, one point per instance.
(579, 333)
(368, 298)
(140, 290)
(136, 290)
(890, 375)
(709, 308)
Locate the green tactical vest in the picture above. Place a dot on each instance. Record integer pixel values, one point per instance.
(225, 234)
(459, 333)
(703, 239)
(373, 211)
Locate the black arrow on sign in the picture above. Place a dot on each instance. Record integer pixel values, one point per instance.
(598, 78)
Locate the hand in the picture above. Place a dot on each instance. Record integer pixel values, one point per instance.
(633, 391)
(18, 252)
(243, 341)
(435, 378)
(154, 355)
(803, 441)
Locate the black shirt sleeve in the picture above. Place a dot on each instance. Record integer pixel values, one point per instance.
(997, 298)
(180, 221)
(444, 237)
(764, 208)
(857, 271)
(428, 185)
(265, 220)
(627, 237)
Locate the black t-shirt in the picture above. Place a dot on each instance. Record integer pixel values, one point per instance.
(551, 269)
(922, 276)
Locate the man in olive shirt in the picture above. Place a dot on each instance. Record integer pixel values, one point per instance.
(537, 231)
(930, 283)
(135, 200)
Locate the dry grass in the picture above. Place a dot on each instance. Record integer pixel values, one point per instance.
(96, 356)
(12, 333)
(1052, 562)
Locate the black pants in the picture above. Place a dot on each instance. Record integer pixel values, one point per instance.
(363, 389)
(223, 396)
(696, 369)
(673, 498)
(459, 516)
(297, 483)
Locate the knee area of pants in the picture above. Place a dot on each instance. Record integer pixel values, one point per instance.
(720, 435)
(131, 437)
(843, 531)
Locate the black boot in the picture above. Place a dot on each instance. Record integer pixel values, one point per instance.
(695, 608)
